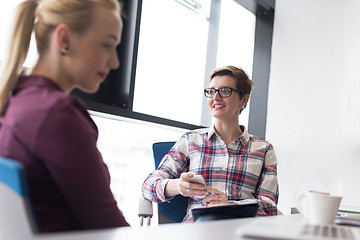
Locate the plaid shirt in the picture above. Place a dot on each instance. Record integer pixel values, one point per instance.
(246, 169)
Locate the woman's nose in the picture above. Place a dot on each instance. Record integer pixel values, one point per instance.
(217, 96)
(114, 61)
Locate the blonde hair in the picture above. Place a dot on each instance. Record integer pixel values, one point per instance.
(42, 17)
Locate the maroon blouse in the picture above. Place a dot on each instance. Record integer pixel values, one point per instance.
(52, 134)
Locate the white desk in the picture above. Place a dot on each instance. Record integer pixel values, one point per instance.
(214, 230)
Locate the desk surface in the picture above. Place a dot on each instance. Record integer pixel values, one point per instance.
(217, 230)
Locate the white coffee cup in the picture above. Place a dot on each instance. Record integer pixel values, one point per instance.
(318, 208)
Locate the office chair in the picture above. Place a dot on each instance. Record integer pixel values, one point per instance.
(172, 212)
(17, 221)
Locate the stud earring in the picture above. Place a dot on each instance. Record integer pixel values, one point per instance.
(62, 52)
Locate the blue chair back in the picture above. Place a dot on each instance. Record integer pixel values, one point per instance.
(12, 174)
(176, 209)
(16, 217)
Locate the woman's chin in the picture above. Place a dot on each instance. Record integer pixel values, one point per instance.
(90, 89)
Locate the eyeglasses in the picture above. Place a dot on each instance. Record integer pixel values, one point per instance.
(224, 92)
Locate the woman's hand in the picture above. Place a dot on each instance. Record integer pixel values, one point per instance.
(189, 189)
(217, 197)
(184, 187)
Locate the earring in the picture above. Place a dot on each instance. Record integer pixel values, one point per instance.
(62, 52)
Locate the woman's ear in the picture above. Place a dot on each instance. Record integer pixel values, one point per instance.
(62, 36)
(244, 100)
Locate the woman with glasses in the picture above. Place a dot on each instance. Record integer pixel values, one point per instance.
(235, 164)
(46, 128)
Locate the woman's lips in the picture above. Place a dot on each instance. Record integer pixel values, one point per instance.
(218, 106)
(102, 75)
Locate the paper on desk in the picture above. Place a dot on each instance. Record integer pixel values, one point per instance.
(347, 218)
(240, 202)
(244, 202)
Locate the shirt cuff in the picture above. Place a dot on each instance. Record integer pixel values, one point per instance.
(161, 191)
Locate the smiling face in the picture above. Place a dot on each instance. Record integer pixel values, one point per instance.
(225, 109)
(93, 54)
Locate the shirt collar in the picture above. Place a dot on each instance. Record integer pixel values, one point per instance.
(244, 138)
(35, 81)
(211, 132)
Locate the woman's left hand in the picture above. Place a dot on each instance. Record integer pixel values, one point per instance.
(217, 197)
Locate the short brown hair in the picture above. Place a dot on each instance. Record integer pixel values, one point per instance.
(243, 82)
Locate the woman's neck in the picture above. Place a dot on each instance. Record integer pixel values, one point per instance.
(51, 67)
(228, 132)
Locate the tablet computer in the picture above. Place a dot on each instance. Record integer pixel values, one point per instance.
(237, 209)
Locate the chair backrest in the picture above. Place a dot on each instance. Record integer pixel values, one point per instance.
(175, 210)
(16, 218)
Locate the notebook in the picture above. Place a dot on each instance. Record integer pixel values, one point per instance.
(270, 228)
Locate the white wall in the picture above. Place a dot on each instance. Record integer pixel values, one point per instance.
(314, 98)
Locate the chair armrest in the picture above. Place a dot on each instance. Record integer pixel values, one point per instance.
(145, 210)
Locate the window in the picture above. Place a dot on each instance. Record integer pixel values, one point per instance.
(173, 54)
(171, 60)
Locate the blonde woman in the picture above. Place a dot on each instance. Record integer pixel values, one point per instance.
(235, 164)
(48, 130)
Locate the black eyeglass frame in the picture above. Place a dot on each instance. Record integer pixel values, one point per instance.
(218, 91)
